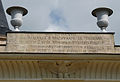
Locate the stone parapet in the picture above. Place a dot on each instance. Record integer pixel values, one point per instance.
(60, 42)
(117, 48)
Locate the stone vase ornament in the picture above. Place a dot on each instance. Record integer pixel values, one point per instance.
(102, 15)
(16, 13)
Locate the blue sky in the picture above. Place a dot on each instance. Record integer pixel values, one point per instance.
(65, 15)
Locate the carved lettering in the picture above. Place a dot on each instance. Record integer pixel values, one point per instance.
(60, 43)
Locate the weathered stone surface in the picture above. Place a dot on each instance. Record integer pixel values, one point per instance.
(2, 43)
(60, 42)
(69, 61)
(66, 69)
(2, 48)
(2, 39)
(117, 49)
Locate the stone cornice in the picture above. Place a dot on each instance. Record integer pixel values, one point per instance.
(62, 32)
(60, 80)
(58, 56)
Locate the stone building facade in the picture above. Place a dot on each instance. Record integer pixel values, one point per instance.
(57, 56)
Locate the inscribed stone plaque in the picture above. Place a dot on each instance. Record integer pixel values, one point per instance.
(60, 42)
